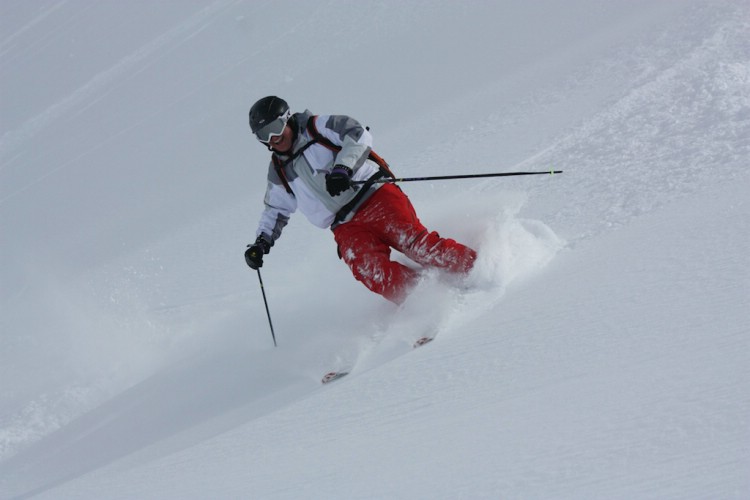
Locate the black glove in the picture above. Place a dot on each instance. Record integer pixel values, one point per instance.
(339, 180)
(254, 253)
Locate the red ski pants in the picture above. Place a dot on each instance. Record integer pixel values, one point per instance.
(388, 220)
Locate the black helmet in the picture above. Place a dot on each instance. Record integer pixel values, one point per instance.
(265, 112)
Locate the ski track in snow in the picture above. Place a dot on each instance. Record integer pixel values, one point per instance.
(8, 43)
(682, 124)
(98, 87)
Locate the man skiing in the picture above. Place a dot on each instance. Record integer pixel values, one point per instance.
(325, 167)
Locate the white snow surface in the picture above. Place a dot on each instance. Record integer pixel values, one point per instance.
(599, 349)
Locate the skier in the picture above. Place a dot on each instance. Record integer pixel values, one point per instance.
(325, 167)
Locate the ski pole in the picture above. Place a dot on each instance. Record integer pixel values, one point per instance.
(268, 313)
(465, 176)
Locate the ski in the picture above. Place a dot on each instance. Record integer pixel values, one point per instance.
(335, 375)
(422, 341)
(331, 376)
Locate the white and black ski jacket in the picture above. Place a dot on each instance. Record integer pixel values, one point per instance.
(304, 174)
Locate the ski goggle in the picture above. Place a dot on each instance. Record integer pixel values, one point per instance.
(274, 128)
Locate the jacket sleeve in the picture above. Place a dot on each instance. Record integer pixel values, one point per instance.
(279, 205)
(354, 139)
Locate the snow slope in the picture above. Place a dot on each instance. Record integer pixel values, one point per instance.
(601, 350)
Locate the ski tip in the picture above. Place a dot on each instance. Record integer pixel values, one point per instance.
(331, 376)
(422, 341)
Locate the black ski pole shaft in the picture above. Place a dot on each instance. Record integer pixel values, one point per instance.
(268, 313)
(464, 176)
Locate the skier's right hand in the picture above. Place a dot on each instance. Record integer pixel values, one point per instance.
(254, 253)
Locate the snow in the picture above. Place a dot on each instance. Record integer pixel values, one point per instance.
(600, 348)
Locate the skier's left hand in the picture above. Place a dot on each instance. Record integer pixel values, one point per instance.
(339, 180)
